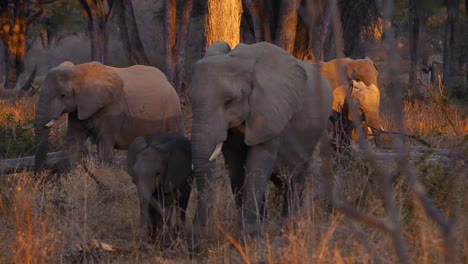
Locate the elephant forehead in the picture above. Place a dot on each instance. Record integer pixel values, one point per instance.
(149, 153)
(216, 83)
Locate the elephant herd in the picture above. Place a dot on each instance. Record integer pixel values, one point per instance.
(263, 109)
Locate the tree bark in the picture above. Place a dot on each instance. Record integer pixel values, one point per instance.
(170, 38)
(223, 21)
(449, 40)
(414, 31)
(256, 10)
(15, 23)
(98, 13)
(129, 33)
(181, 46)
(287, 25)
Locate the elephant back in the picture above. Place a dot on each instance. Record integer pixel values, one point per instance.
(149, 95)
(151, 103)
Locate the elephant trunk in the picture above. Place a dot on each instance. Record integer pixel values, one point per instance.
(375, 125)
(41, 137)
(202, 148)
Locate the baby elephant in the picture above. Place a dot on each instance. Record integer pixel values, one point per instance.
(162, 170)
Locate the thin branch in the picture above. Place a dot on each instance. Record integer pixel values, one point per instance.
(440, 104)
(420, 140)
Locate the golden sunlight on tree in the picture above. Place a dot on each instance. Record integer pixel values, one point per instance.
(223, 21)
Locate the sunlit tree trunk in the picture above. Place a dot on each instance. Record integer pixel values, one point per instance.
(170, 38)
(223, 21)
(129, 33)
(15, 22)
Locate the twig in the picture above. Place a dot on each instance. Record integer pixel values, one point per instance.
(440, 104)
(93, 176)
(446, 226)
(420, 140)
(236, 244)
(366, 219)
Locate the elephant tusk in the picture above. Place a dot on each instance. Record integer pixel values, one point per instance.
(216, 151)
(50, 123)
(28, 126)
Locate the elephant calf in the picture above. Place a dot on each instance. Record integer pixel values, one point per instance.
(161, 170)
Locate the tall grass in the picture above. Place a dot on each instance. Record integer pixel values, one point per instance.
(426, 120)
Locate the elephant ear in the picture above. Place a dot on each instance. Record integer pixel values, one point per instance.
(95, 87)
(135, 147)
(179, 163)
(217, 48)
(278, 83)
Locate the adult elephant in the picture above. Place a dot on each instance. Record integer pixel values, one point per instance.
(265, 110)
(358, 79)
(110, 105)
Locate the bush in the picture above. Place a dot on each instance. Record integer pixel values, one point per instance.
(16, 141)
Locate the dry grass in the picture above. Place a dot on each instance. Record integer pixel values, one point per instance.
(73, 221)
(426, 120)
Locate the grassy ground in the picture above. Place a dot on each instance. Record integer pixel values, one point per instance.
(73, 221)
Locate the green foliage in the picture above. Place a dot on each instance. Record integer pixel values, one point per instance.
(437, 180)
(14, 141)
(59, 18)
(66, 15)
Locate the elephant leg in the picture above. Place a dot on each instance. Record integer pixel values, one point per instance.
(259, 166)
(183, 201)
(106, 134)
(294, 190)
(146, 223)
(74, 145)
(234, 153)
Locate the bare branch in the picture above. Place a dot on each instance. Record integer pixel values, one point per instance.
(440, 104)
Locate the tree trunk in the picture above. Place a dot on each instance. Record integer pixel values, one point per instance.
(13, 33)
(449, 40)
(97, 14)
(287, 25)
(184, 25)
(337, 30)
(170, 38)
(414, 30)
(129, 33)
(223, 21)
(257, 13)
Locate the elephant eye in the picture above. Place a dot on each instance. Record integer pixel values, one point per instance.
(228, 101)
(62, 96)
(158, 173)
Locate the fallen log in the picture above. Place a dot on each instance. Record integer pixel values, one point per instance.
(22, 164)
